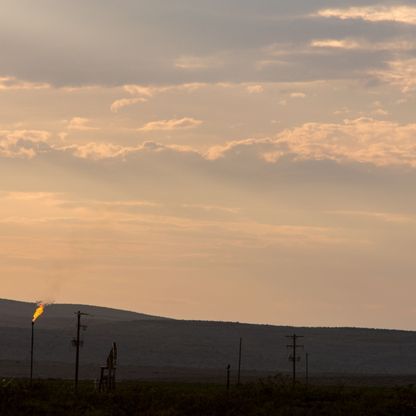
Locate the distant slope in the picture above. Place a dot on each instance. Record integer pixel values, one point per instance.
(156, 342)
(15, 313)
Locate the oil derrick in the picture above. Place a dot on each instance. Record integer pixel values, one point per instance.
(108, 372)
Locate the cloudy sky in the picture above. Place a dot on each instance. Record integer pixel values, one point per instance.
(211, 159)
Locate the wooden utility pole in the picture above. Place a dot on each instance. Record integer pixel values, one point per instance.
(228, 377)
(239, 362)
(294, 357)
(78, 343)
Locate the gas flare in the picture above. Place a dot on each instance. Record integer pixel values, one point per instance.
(39, 311)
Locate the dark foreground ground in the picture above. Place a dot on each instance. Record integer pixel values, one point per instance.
(273, 396)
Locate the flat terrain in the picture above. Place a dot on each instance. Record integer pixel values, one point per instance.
(269, 397)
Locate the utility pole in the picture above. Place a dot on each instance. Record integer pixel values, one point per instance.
(294, 357)
(239, 362)
(228, 377)
(78, 343)
(31, 352)
(307, 368)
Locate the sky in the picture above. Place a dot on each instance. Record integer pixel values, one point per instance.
(232, 160)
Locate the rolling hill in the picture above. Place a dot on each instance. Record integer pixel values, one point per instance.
(169, 345)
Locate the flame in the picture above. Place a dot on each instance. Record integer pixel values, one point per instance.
(38, 312)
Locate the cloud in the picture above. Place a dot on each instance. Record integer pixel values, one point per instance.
(394, 45)
(297, 95)
(98, 151)
(399, 73)
(117, 105)
(363, 140)
(58, 210)
(399, 14)
(12, 83)
(380, 112)
(141, 90)
(238, 147)
(195, 63)
(32, 135)
(23, 143)
(255, 89)
(220, 225)
(142, 93)
(149, 91)
(194, 51)
(46, 197)
(80, 124)
(336, 44)
(184, 123)
(389, 217)
(212, 208)
(102, 151)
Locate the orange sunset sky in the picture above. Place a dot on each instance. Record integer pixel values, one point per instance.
(211, 159)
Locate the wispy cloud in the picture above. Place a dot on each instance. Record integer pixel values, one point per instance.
(117, 105)
(45, 197)
(297, 95)
(98, 151)
(212, 208)
(60, 210)
(194, 63)
(143, 93)
(32, 135)
(184, 123)
(389, 217)
(13, 83)
(80, 124)
(23, 143)
(336, 43)
(400, 14)
(394, 45)
(148, 91)
(363, 140)
(255, 89)
(400, 73)
(101, 151)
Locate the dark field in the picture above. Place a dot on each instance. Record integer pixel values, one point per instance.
(273, 396)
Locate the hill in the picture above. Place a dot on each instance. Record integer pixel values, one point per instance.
(19, 314)
(159, 343)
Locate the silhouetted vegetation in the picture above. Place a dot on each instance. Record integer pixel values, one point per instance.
(269, 397)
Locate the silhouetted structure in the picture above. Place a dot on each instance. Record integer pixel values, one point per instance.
(31, 351)
(294, 357)
(38, 312)
(77, 343)
(108, 372)
(239, 362)
(228, 377)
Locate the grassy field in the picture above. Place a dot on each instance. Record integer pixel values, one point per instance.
(268, 397)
